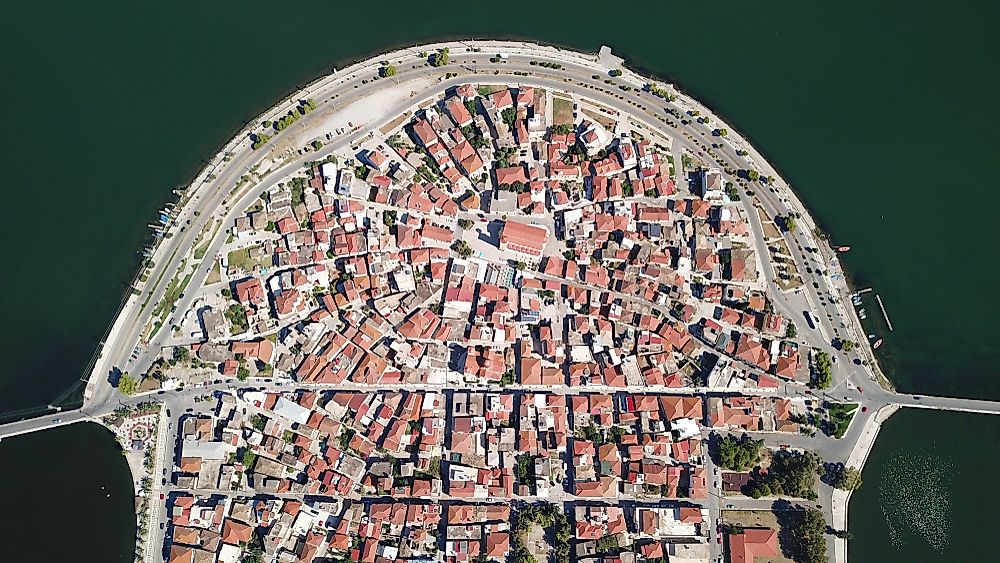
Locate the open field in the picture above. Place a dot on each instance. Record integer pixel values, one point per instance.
(562, 111)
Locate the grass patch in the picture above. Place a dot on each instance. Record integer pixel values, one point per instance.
(215, 276)
(840, 415)
(199, 252)
(562, 111)
(240, 259)
(172, 294)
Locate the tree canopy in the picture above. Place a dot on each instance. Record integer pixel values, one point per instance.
(739, 454)
(846, 478)
(790, 474)
(823, 374)
(127, 384)
(440, 58)
(810, 538)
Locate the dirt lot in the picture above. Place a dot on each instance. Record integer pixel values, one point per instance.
(562, 111)
(390, 127)
(606, 121)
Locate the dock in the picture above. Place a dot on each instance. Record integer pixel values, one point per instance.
(884, 314)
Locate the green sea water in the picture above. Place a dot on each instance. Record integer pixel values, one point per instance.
(882, 115)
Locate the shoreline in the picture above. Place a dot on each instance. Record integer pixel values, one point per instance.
(841, 500)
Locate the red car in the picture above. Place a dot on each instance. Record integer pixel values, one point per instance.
(860, 390)
(718, 539)
(864, 409)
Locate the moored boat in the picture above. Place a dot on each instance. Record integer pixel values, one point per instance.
(877, 344)
(843, 248)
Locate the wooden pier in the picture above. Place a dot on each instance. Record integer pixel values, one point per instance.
(884, 314)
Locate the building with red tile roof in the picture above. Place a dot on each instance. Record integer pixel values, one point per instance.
(752, 543)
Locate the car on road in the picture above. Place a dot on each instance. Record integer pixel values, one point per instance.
(864, 409)
(161, 525)
(56, 420)
(730, 506)
(162, 496)
(718, 539)
(168, 412)
(860, 389)
(189, 409)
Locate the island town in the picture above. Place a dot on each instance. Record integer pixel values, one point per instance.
(509, 318)
(476, 306)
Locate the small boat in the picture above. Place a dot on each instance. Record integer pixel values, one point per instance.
(871, 337)
(843, 248)
(877, 344)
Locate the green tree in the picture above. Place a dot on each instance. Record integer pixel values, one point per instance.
(525, 470)
(465, 223)
(822, 376)
(440, 58)
(810, 538)
(789, 221)
(181, 354)
(127, 384)
(509, 116)
(462, 248)
(387, 71)
(615, 72)
(389, 218)
(739, 454)
(792, 474)
(791, 331)
(846, 478)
